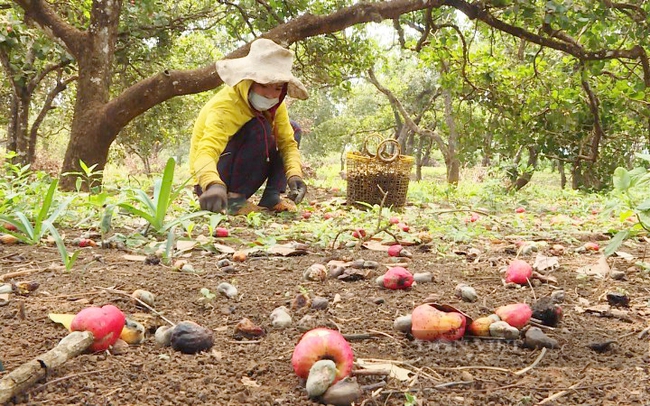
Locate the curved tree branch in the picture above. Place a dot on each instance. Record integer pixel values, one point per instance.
(407, 118)
(598, 132)
(170, 83)
(479, 11)
(41, 13)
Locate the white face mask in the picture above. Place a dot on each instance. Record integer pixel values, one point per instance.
(261, 103)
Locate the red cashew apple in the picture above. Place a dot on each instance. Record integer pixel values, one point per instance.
(519, 271)
(105, 323)
(394, 220)
(322, 343)
(395, 250)
(398, 278)
(520, 210)
(221, 232)
(517, 314)
(429, 324)
(359, 233)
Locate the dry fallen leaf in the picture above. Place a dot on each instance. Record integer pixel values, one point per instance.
(137, 258)
(62, 318)
(396, 372)
(600, 269)
(224, 249)
(185, 245)
(542, 263)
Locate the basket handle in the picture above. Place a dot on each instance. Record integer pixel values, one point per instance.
(376, 137)
(384, 156)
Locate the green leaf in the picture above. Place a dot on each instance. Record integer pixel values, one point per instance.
(621, 179)
(616, 242)
(645, 205)
(645, 157)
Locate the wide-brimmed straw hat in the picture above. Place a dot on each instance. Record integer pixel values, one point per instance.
(266, 62)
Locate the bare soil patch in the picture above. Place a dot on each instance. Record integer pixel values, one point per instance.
(239, 372)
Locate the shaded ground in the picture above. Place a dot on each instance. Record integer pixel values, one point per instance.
(259, 372)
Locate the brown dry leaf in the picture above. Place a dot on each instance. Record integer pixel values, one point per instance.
(624, 255)
(396, 372)
(600, 269)
(185, 245)
(136, 258)
(287, 250)
(542, 263)
(374, 245)
(224, 249)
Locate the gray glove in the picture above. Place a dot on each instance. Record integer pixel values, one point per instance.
(214, 198)
(297, 189)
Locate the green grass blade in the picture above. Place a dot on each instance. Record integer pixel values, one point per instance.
(162, 197)
(185, 217)
(137, 212)
(146, 200)
(57, 212)
(47, 203)
(27, 226)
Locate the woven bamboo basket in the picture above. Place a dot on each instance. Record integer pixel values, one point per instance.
(386, 170)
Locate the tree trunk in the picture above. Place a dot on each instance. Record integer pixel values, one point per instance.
(525, 177)
(451, 156)
(562, 172)
(19, 128)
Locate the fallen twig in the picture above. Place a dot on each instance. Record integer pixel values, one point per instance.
(18, 273)
(471, 367)
(560, 394)
(154, 311)
(534, 364)
(27, 374)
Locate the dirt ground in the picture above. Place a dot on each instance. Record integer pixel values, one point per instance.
(259, 372)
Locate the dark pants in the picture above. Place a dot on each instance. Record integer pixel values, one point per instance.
(250, 158)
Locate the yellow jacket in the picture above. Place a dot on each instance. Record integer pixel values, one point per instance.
(220, 119)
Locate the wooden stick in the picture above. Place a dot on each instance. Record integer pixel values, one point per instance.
(560, 394)
(154, 311)
(27, 374)
(18, 273)
(534, 364)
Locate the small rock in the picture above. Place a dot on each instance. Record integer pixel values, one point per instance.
(280, 318)
(380, 281)
(319, 303)
(302, 300)
(423, 277)
(617, 275)
(503, 330)
(315, 273)
(227, 290)
(371, 264)
(535, 338)
(336, 271)
(224, 263)
(321, 375)
(247, 329)
(163, 336)
(143, 296)
(378, 300)
(465, 292)
(358, 263)
(403, 324)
